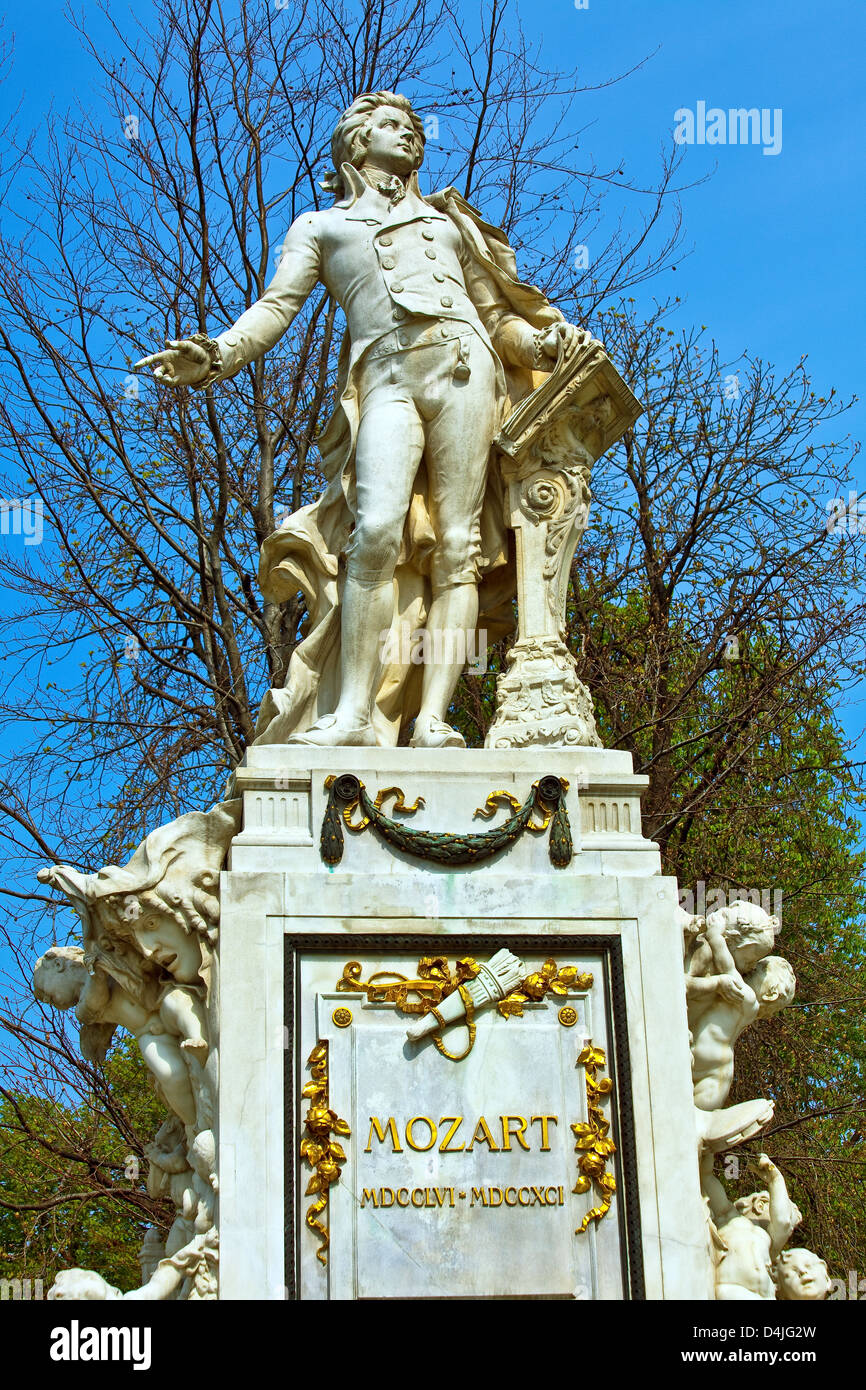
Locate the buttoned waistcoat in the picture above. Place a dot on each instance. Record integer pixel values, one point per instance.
(383, 266)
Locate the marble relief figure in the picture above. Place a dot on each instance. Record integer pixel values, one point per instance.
(731, 980)
(442, 340)
(146, 964)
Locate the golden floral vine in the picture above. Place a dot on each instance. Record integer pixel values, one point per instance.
(323, 1153)
(549, 979)
(593, 1142)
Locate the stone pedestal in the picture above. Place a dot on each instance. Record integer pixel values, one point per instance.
(456, 1178)
(545, 452)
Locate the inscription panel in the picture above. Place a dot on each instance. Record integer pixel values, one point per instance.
(490, 1176)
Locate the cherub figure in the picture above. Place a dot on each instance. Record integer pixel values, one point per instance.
(184, 1172)
(722, 1002)
(188, 1274)
(723, 1006)
(750, 1233)
(801, 1275)
(169, 1036)
(747, 929)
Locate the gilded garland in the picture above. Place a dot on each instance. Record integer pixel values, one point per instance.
(593, 1142)
(546, 799)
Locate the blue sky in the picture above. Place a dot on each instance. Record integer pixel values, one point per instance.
(775, 242)
(773, 246)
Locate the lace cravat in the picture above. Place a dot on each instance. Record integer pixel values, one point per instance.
(390, 186)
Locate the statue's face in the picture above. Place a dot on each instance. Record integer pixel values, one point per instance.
(391, 143)
(802, 1275)
(756, 1206)
(61, 986)
(81, 1284)
(166, 943)
(751, 947)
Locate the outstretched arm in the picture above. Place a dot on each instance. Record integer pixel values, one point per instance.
(784, 1216)
(720, 1203)
(265, 322)
(722, 958)
(198, 361)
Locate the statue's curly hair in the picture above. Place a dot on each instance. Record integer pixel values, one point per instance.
(349, 141)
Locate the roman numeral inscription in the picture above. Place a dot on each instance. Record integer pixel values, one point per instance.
(493, 1197)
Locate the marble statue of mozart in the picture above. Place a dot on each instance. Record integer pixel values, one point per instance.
(442, 339)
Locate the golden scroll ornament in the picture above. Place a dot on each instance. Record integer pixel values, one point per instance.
(434, 981)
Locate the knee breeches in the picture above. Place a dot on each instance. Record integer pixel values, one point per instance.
(413, 406)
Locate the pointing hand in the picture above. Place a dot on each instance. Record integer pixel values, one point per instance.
(183, 363)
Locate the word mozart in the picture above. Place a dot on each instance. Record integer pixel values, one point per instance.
(479, 1196)
(421, 1133)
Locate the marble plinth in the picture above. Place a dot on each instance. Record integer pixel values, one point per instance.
(396, 1222)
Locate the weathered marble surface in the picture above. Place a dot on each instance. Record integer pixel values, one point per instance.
(276, 885)
(473, 1227)
(147, 963)
(731, 980)
(284, 795)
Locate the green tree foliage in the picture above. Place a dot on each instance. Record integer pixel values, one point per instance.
(73, 1171)
(788, 832)
(138, 644)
